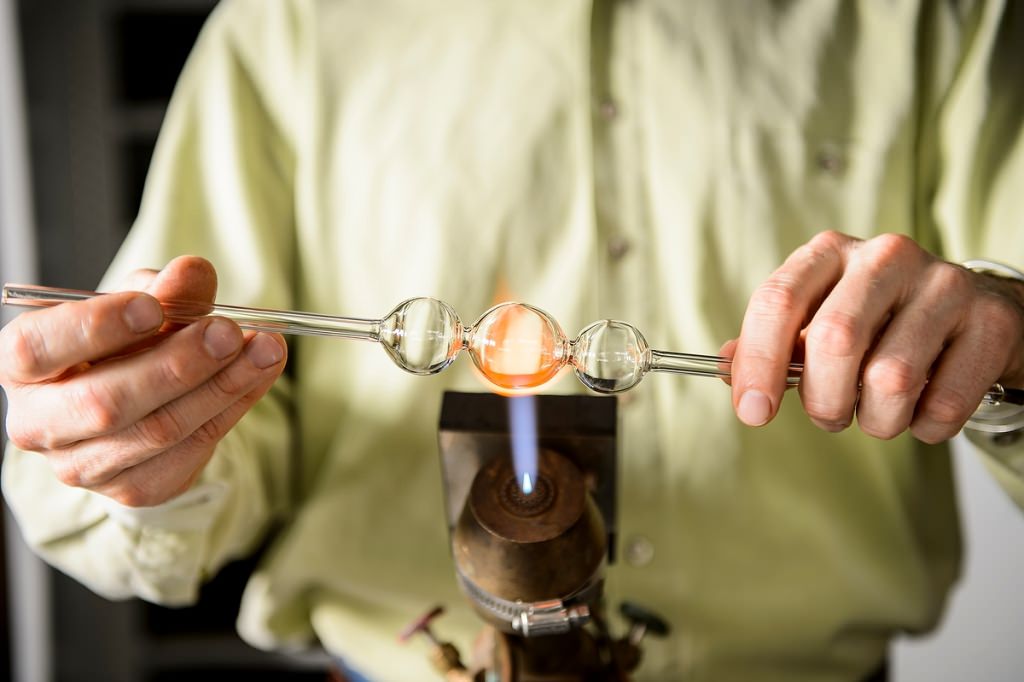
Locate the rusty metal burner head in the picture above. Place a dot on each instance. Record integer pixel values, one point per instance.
(497, 502)
(519, 503)
(514, 550)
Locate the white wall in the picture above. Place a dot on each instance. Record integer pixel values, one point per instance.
(982, 637)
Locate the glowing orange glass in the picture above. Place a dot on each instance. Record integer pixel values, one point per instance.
(517, 346)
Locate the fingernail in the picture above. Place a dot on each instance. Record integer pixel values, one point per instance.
(221, 338)
(263, 351)
(142, 314)
(754, 409)
(832, 427)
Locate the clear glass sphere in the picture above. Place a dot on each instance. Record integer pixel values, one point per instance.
(515, 345)
(610, 356)
(422, 335)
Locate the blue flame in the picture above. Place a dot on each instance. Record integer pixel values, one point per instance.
(522, 418)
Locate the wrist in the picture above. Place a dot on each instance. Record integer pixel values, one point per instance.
(1002, 418)
(1003, 279)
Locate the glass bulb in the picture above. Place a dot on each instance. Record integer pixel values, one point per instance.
(516, 345)
(422, 335)
(610, 356)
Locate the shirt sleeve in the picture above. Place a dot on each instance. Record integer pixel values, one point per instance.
(220, 186)
(971, 161)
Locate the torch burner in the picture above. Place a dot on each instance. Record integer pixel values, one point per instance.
(532, 564)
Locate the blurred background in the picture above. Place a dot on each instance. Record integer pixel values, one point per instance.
(83, 87)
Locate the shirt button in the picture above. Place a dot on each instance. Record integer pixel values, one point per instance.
(639, 551)
(618, 246)
(607, 109)
(830, 159)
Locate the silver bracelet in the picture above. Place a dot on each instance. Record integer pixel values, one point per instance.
(1003, 420)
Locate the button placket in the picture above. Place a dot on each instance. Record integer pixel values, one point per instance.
(615, 148)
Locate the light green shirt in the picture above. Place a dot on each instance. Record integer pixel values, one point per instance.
(650, 161)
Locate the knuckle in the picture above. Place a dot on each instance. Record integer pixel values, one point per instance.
(23, 351)
(815, 251)
(22, 436)
(177, 373)
(835, 333)
(778, 293)
(207, 435)
(90, 326)
(827, 412)
(47, 441)
(893, 376)
(69, 472)
(947, 408)
(28, 434)
(229, 383)
(830, 240)
(893, 246)
(97, 405)
(951, 280)
(161, 429)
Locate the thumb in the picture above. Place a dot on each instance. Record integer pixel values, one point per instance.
(186, 278)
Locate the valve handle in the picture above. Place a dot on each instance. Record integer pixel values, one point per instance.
(421, 625)
(640, 616)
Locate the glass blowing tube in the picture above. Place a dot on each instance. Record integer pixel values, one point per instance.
(514, 345)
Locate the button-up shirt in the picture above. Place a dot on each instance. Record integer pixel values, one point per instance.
(649, 161)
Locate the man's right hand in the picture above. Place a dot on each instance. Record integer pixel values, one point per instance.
(119, 405)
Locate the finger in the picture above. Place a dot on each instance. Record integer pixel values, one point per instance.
(138, 280)
(97, 461)
(841, 333)
(227, 420)
(186, 278)
(971, 363)
(42, 344)
(170, 473)
(727, 351)
(951, 396)
(897, 369)
(112, 395)
(772, 323)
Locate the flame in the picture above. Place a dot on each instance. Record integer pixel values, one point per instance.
(522, 413)
(522, 422)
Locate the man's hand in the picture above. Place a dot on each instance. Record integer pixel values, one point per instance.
(888, 331)
(121, 404)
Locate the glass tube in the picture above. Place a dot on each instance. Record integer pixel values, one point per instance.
(514, 345)
(422, 335)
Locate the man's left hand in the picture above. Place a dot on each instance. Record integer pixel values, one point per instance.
(889, 332)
